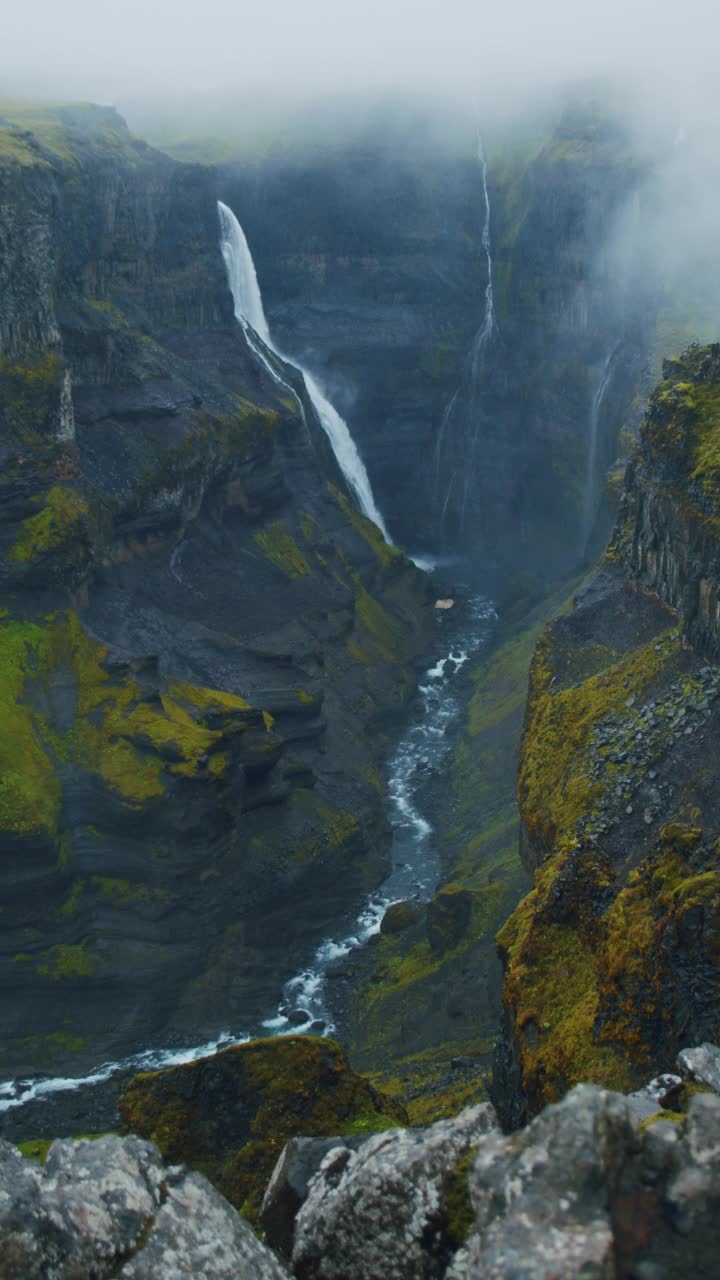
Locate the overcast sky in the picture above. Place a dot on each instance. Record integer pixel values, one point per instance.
(113, 52)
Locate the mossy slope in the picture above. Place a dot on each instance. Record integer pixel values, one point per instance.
(231, 1115)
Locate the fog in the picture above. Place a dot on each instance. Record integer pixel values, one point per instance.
(274, 54)
(223, 79)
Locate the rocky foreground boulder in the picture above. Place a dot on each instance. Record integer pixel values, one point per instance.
(110, 1207)
(588, 1189)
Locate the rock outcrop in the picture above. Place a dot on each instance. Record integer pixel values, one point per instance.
(111, 1208)
(583, 1190)
(230, 1114)
(586, 1189)
(202, 641)
(613, 959)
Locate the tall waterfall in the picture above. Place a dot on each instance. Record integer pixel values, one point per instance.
(249, 311)
(461, 415)
(593, 434)
(488, 325)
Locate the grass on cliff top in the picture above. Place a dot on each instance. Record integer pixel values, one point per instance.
(20, 116)
(684, 416)
(51, 125)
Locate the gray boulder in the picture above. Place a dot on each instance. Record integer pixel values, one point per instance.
(287, 1189)
(582, 1191)
(701, 1063)
(382, 1211)
(540, 1196)
(111, 1208)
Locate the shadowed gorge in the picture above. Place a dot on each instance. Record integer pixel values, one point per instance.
(359, 651)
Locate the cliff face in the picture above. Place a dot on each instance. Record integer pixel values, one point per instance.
(201, 637)
(373, 268)
(613, 958)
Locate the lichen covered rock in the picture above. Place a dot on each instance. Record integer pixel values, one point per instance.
(112, 1208)
(385, 1210)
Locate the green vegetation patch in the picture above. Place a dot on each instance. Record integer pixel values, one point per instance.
(133, 743)
(588, 993)
(29, 391)
(265, 1092)
(556, 788)
(64, 961)
(386, 553)
(278, 545)
(59, 522)
(29, 787)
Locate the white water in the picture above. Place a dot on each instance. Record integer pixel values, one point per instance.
(594, 425)
(15, 1093)
(249, 311)
(489, 323)
(415, 866)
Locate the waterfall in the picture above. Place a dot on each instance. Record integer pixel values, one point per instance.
(463, 404)
(489, 324)
(249, 311)
(594, 427)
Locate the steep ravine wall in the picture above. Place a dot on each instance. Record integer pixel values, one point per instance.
(613, 958)
(373, 268)
(202, 642)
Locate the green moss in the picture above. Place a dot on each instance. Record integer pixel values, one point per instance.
(279, 1088)
(386, 553)
(64, 961)
(672, 1117)
(44, 1050)
(59, 522)
(29, 788)
(555, 786)
(374, 779)
(71, 905)
(207, 700)
(331, 828)
(460, 1215)
(125, 893)
(131, 742)
(380, 634)
(37, 1148)
(29, 390)
(278, 545)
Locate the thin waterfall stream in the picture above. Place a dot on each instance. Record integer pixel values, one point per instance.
(601, 390)
(464, 401)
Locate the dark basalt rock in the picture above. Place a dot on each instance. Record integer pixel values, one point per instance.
(202, 641)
